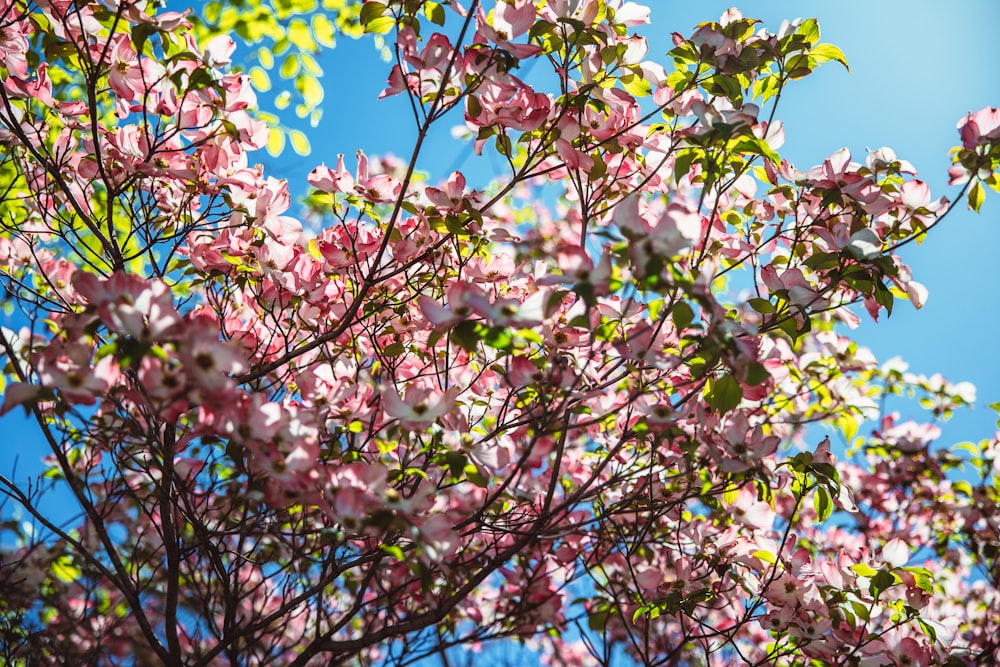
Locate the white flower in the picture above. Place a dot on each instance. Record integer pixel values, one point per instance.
(865, 244)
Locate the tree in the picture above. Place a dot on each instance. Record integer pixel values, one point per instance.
(568, 408)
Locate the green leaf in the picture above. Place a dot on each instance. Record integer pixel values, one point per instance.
(682, 315)
(724, 393)
(825, 52)
(643, 610)
(371, 11)
(755, 146)
(724, 85)
(393, 551)
(435, 12)
(822, 261)
(766, 88)
(682, 164)
(499, 338)
(756, 375)
(798, 66)
(473, 106)
(883, 297)
(140, 33)
(474, 476)
(606, 330)
(310, 65)
(456, 462)
(394, 350)
(922, 578)
(598, 620)
(787, 324)
(928, 629)
(881, 581)
(762, 306)
(822, 503)
(323, 30)
(827, 471)
(466, 335)
(311, 90)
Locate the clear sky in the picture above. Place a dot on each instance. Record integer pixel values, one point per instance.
(917, 67)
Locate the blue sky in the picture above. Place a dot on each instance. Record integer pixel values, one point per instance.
(917, 67)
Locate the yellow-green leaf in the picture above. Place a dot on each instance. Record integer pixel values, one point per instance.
(635, 85)
(260, 80)
(380, 25)
(864, 570)
(310, 65)
(299, 141)
(311, 90)
(825, 52)
(324, 31)
(977, 195)
(64, 570)
(290, 66)
(300, 35)
(765, 556)
(276, 142)
(265, 57)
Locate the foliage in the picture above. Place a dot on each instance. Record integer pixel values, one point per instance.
(568, 408)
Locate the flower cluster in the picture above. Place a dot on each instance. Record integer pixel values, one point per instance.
(424, 413)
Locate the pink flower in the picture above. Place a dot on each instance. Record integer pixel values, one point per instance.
(981, 127)
(750, 511)
(209, 362)
(129, 304)
(449, 199)
(421, 406)
(513, 18)
(357, 490)
(219, 51)
(915, 200)
(67, 371)
(127, 76)
(676, 229)
(19, 393)
(439, 538)
(530, 311)
(271, 201)
(460, 295)
(800, 292)
(325, 179)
